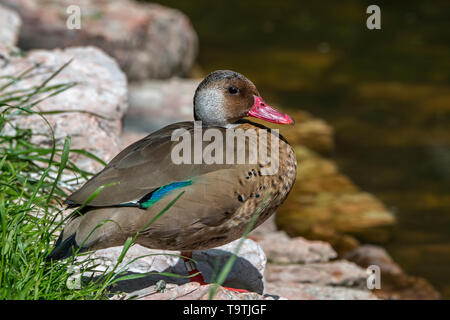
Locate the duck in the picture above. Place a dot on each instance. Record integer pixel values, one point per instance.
(207, 203)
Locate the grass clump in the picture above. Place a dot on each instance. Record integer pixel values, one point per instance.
(31, 191)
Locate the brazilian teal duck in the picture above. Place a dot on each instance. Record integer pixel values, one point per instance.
(218, 200)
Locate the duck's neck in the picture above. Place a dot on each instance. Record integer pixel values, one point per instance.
(209, 108)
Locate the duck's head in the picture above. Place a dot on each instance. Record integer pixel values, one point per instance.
(225, 96)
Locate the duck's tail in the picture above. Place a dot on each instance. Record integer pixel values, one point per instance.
(66, 244)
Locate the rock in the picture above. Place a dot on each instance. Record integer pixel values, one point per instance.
(156, 103)
(99, 87)
(148, 40)
(326, 205)
(395, 283)
(190, 291)
(366, 255)
(246, 273)
(279, 248)
(303, 291)
(336, 273)
(9, 27)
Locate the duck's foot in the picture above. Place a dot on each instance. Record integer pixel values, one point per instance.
(196, 275)
(236, 290)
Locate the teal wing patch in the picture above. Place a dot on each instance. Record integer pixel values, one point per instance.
(159, 193)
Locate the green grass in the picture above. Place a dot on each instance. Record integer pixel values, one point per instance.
(32, 188)
(34, 181)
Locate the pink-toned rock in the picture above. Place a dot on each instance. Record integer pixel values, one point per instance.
(189, 291)
(303, 291)
(337, 273)
(366, 255)
(98, 86)
(148, 40)
(282, 249)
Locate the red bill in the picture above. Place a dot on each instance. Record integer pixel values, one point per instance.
(262, 110)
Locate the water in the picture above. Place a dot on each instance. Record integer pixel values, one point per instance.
(386, 92)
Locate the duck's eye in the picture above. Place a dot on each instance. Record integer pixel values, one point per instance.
(233, 90)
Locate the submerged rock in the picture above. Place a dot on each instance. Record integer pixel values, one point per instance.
(148, 40)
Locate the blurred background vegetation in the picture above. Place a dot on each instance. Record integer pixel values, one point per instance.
(386, 92)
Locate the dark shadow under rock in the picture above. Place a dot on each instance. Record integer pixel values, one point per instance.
(243, 274)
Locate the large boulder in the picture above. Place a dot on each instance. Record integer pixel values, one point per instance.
(147, 40)
(92, 107)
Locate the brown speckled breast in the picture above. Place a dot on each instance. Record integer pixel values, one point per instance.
(250, 188)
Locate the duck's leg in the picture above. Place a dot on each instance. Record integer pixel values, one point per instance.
(191, 268)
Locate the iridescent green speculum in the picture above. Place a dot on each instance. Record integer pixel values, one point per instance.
(162, 191)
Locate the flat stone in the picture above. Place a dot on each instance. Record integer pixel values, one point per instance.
(303, 291)
(337, 273)
(279, 248)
